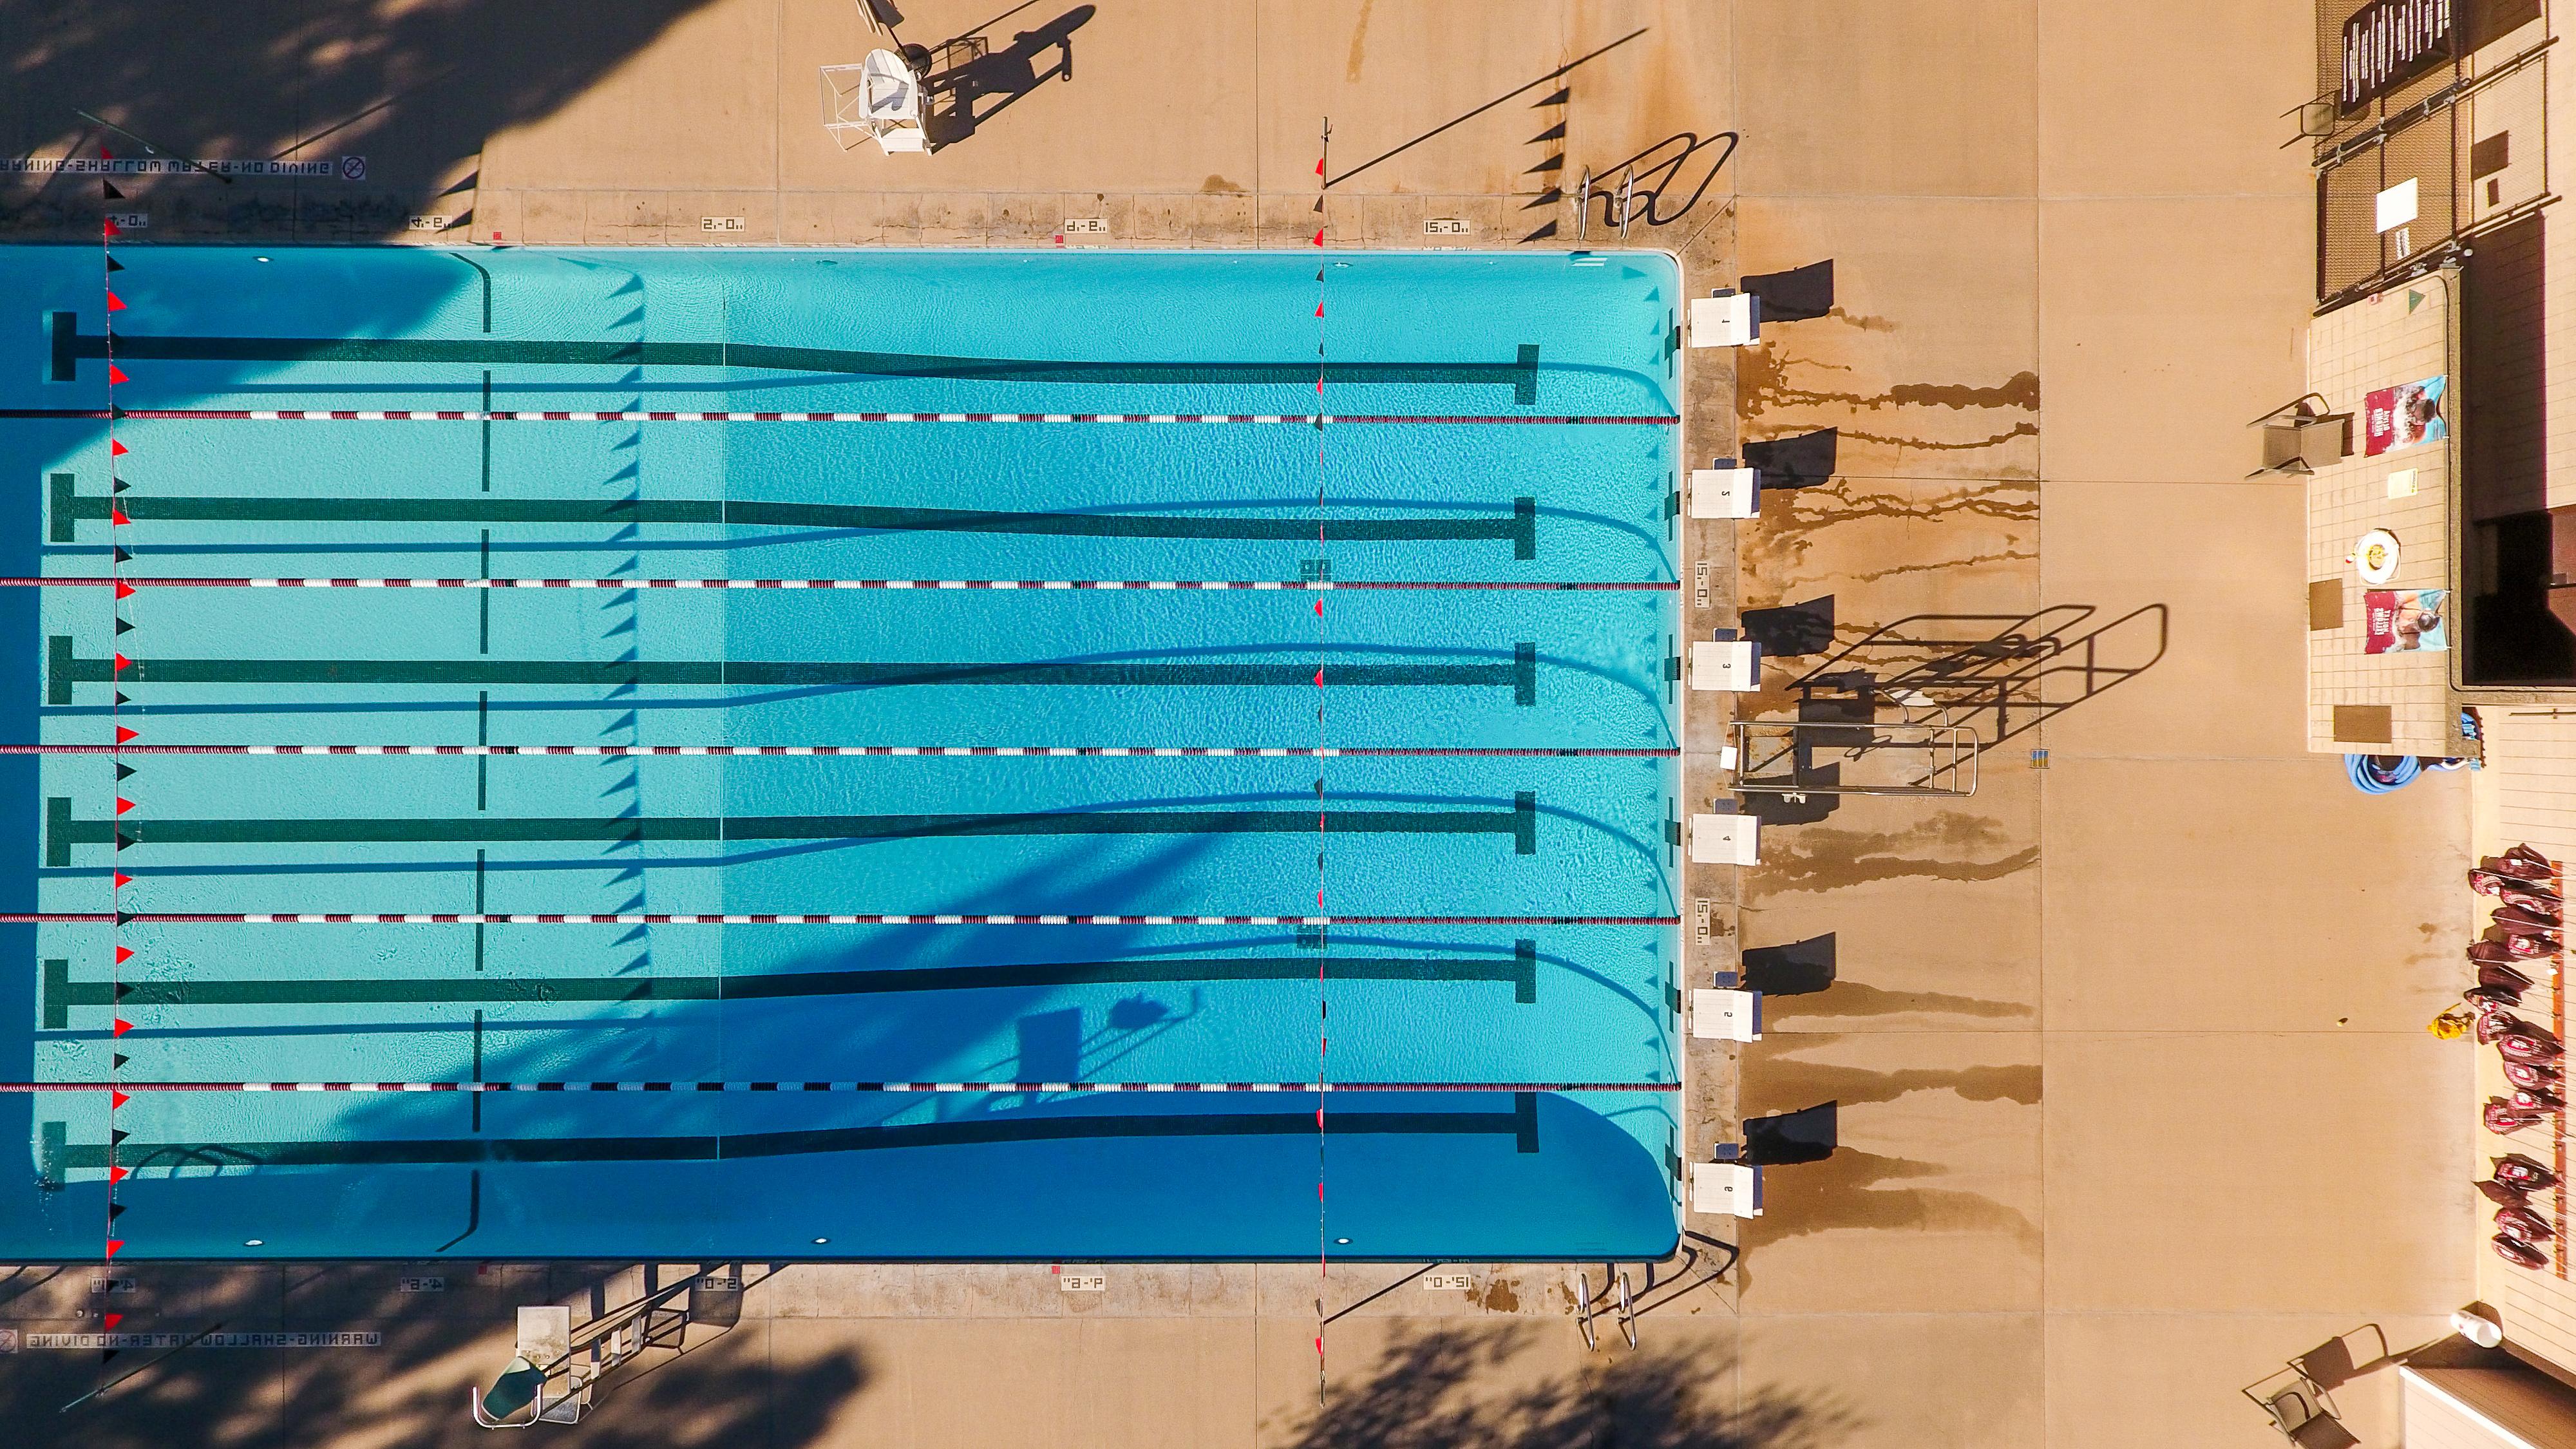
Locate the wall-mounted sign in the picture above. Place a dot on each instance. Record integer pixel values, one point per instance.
(2387, 43)
(2396, 206)
(2404, 417)
(2401, 620)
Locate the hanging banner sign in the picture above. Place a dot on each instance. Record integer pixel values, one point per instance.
(2387, 43)
(2404, 417)
(2397, 621)
(346, 168)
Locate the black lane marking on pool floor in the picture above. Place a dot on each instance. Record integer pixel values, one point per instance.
(58, 1156)
(59, 992)
(62, 832)
(1520, 526)
(65, 668)
(71, 346)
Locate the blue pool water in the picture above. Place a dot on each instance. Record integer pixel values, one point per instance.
(1503, 1174)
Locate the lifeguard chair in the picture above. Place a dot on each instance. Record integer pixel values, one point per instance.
(878, 99)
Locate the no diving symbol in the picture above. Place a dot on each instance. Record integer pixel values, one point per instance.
(353, 168)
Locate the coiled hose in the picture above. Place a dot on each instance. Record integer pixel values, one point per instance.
(2380, 774)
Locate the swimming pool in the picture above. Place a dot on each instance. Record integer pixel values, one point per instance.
(1033, 904)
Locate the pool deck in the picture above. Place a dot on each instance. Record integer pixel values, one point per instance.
(2135, 1095)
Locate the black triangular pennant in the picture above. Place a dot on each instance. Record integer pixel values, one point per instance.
(120, 1059)
(123, 770)
(123, 627)
(108, 188)
(123, 698)
(123, 840)
(123, 988)
(115, 1210)
(124, 916)
(105, 1354)
(114, 412)
(124, 554)
(116, 1135)
(114, 265)
(117, 485)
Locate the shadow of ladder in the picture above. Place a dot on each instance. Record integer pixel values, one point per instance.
(1996, 675)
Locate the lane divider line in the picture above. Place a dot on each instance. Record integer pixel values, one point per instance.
(450, 415)
(664, 918)
(1148, 585)
(862, 1087)
(1041, 751)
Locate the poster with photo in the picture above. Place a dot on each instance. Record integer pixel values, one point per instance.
(2396, 621)
(2404, 417)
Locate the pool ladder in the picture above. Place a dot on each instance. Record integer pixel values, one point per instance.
(1626, 1314)
(559, 1369)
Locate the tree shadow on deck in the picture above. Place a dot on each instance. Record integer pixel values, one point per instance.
(1426, 1392)
(412, 92)
(727, 1392)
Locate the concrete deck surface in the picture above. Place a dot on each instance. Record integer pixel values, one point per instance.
(2136, 1099)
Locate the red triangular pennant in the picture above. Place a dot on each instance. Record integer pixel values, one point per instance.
(123, 663)
(123, 804)
(1319, 165)
(115, 374)
(124, 590)
(115, 303)
(118, 1174)
(123, 880)
(116, 449)
(123, 734)
(122, 1027)
(116, 1099)
(1319, 236)
(114, 230)
(110, 1320)
(116, 515)
(1319, 309)
(1319, 679)
(124, 954)
(113, 1244)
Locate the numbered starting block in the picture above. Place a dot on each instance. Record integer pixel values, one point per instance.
(1726, 318)
(1726, 1015)
(1728, 664)
(1726, 1189)
(1725, 840)
(1725, 491)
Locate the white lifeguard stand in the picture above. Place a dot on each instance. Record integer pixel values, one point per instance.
(878, 99)
(1725, 318)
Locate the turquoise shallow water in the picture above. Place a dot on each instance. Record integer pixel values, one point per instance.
(1547, 837)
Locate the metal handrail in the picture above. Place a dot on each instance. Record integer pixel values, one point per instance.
(627, 1331)
(1951, 750)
